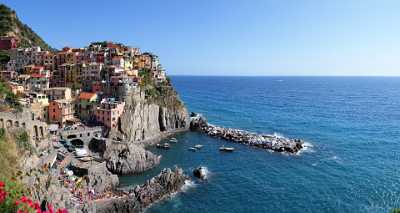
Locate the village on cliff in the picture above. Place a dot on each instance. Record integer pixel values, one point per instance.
(74, 87)
(67, 102)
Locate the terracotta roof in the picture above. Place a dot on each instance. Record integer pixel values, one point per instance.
(37, 75)
(86, 95)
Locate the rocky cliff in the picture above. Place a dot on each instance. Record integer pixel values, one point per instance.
(152, 113)
(129, 158)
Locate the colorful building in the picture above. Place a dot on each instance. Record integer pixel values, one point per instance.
(8, 42)
(109, 111)
(8, 75)
(85, 105)
(57, 93)
(38, 82)
(61, 111)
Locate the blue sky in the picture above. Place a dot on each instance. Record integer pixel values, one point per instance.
(233, 37)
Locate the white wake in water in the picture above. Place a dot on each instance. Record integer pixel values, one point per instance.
(307, 148)
(189, 184)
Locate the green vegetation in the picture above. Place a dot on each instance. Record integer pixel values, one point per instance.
(11, 25)
(9, 98)
(395, 210)
(14, 191)
(162, 93)
(4, 58)
(22, 139)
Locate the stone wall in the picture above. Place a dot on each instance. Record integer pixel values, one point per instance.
(26, 120)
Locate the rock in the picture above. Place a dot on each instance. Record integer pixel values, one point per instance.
(126, 204)
(197, 122)
(100, 179)
(200, 172)
(272, 142)
(44, 186)
(166, 183)
(129, 158)
(146, 119)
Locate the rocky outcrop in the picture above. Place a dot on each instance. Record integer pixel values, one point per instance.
(137, 199)
(45, 187)
(166, 183)
(100, 179)
(200, 172)
(147, 119)
(265, 141)
(129, 158)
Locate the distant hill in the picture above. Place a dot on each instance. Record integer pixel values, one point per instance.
(10, 25)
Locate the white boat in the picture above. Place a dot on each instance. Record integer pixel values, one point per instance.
(163, 146)
(198, 146)
(173, 140)
(226, 149)
(192, 149)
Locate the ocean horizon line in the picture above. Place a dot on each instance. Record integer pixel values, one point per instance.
(285, 76)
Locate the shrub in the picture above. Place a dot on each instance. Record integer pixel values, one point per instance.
(13, 199)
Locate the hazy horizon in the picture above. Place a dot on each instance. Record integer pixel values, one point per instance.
(225, 38)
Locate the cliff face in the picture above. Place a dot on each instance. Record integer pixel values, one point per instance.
(149, 117)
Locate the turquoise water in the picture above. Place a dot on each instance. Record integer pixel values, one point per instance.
(352, 123)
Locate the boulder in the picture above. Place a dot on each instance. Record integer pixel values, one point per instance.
(100, 179)
(200, 172)
(129, 158)
(167, 182)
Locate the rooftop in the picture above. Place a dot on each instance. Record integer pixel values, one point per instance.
(86, 95)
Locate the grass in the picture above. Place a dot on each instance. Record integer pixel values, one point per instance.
(8, 156)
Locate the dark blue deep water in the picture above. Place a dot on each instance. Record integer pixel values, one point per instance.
(353, 124)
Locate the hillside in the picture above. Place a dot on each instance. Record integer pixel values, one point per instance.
(10, 25)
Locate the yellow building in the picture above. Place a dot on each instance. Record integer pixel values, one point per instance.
(72, 73)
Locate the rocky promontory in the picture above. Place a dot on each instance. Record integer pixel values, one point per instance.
(265, 141)
(142, 196)
(129, 158)
(151, 114)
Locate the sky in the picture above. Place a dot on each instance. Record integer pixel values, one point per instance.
(233, 37)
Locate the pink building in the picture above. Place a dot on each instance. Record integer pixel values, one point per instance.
(109, 111)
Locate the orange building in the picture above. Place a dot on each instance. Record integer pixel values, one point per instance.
(60, 111)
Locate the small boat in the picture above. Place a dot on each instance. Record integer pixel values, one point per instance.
(166, 146)
(163, 146)
(192, 149)
(86, 159)
(173, 140)
(198, 146)
(226, 149)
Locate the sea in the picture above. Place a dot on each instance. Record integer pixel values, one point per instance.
(351, 126)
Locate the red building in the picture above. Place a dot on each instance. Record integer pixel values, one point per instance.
(7, 42)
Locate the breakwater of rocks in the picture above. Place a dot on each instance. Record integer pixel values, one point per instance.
(264, 141)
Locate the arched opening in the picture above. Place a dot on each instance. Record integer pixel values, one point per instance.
(71, 136)
(9, 123)
(23, 125)
(41, 131)
(16, 124)
(35, 129)
(77, 143)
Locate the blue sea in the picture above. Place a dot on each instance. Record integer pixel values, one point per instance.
(351, 123)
